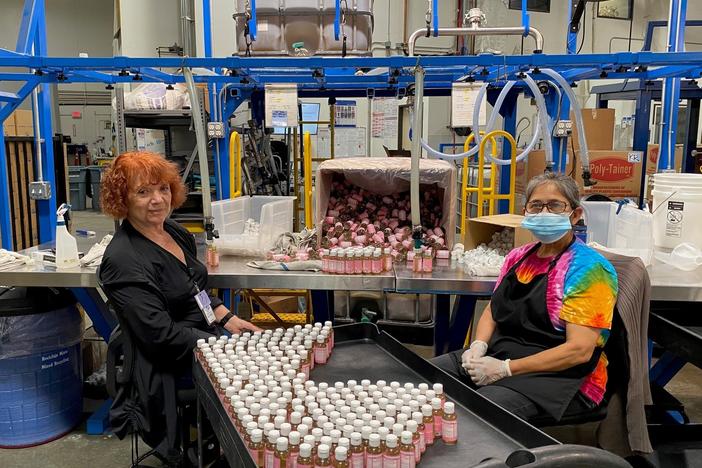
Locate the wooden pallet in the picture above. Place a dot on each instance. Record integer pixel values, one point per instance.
(23, 210)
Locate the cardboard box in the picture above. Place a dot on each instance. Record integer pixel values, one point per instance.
(9, 128)
(23, 118)
(599, 129)
(19, 123)
(480, 230)
(618, 173)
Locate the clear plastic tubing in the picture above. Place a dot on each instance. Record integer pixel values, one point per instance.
(585, 155)
(489, 127)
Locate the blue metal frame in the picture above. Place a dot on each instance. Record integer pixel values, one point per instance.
(315, 76)
(671, 86)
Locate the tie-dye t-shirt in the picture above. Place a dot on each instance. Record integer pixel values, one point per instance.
(582, 289)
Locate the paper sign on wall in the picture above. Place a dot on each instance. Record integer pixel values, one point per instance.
(463, 99)
(384, 118)
(345, 114)
(348, 142)
(281, 105)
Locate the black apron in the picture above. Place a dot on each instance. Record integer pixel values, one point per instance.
(524, 328)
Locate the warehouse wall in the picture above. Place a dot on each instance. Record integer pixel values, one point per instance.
(146, 25)
(67, 35)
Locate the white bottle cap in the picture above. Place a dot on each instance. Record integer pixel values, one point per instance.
(388, 421)
(366, 431)
(406, 438)
(426, 410)
(305, 450)
(273, 436)
(418, 417)
(436, 403)
(285, 429)
(358, 425)
(347, 429)
(383, 432)
(391, 441)
(310, 440)
(397, 429)
(402, 418)
(328, 427)
(438, 388)
(294, 437)
(256, 435)
(317, 433)
(340, 453)
(335, 435)
(449, 408)
(251, 426)
(281, 444)
(303, 429)
(296, 417)
(323, 451)
(374, 440)
(307, 421)
(375, 425)
(344, 442)
(356, 438)
(412, 425)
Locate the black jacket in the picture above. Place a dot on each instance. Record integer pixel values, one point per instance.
(152, 293)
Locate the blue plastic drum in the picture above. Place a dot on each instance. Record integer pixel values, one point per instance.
(41, 392)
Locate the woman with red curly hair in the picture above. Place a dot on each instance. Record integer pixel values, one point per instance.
(151, 274)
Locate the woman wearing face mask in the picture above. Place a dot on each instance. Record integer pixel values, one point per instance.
(538, 345)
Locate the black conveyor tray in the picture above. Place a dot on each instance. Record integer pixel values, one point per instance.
(361, 351)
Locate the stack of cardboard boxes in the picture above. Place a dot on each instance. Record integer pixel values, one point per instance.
(19, 124)
(617, 173)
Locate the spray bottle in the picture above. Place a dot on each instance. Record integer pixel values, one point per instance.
(66, 245)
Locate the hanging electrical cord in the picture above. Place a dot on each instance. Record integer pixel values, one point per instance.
(582, 43)
(519, 133)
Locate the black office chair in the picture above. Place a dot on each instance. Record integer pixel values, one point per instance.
(119, 367)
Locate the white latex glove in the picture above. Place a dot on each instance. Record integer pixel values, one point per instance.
(476, 350)
(486, 370)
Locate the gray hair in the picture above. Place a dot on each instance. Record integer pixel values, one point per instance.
(565, 185)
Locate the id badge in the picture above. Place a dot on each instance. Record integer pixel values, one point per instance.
(205, 305)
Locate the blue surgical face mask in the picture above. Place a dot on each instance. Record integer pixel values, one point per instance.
(547, 227)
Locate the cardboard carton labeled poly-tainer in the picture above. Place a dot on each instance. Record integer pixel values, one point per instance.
(617, 173)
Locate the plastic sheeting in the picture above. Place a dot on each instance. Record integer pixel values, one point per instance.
(385, 176)
(155, 96)
(30, 324)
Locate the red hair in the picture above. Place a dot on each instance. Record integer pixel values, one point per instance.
(130, 166)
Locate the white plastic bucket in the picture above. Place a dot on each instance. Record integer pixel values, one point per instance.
(677, 209)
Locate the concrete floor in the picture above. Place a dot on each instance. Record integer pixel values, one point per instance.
(79, 449)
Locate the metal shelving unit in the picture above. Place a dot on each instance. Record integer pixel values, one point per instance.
(170, 121)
